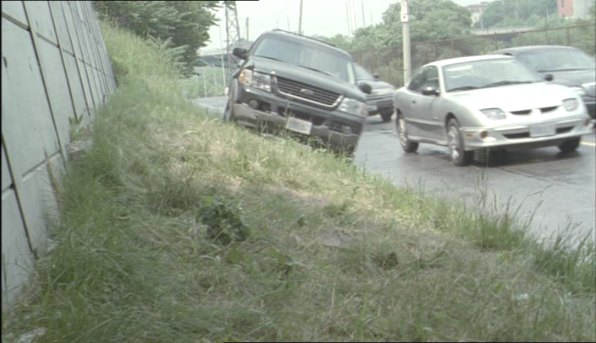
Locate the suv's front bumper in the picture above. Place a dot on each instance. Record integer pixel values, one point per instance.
(338, 129)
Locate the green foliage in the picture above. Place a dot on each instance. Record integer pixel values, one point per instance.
(182, 24)
(506, 13)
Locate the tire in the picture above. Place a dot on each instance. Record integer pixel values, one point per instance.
(570, 145)
(402, 132)
(386, 115)
(227, 114)
(455, 142)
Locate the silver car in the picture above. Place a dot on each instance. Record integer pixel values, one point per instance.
(482, 103)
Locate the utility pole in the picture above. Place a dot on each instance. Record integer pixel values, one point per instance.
(348, 18)
(300, 20)
(247, 38)
(362, 8)
(232, 32)
(406, 40)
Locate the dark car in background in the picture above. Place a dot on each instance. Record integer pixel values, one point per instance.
(380, 100)
(568, 66)
(300, 85)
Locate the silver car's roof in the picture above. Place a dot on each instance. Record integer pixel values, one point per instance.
(441, 63)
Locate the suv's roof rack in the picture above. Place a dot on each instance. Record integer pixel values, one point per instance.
(297, 34)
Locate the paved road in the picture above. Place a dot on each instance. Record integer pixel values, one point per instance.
(558, 190)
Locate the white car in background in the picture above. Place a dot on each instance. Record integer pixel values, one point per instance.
(482, 103)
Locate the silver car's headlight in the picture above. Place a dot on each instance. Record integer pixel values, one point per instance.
(579, 90)
(353, 106)
(494, 113)
(255, 79)
(570, 104)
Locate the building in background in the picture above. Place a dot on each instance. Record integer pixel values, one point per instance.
(574, 9)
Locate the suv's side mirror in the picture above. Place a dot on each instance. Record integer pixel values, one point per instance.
(365, 87)
(240, 53)
(376, 76)
(548, 77)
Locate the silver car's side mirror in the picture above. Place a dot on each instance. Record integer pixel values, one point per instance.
(430, 90)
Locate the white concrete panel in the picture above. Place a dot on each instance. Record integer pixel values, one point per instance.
(61, 28)
(39, 15)
(25, 109)
(6, 178)
(39, 207)
(17, 259)
(57, 88)
(94, 85)
(76, 87)
(15, 10)
(72, 26)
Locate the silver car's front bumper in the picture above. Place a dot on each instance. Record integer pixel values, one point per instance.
(526, 136)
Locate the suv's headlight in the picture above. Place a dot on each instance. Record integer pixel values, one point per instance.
(579, 90)
(570, 104)
(353, 106)
(255, 79)
(494, 113)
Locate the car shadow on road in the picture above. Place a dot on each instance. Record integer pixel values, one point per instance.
(497, 159)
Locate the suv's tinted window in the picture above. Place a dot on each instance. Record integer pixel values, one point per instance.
(305, 55)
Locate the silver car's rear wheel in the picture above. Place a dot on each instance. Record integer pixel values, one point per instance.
(406, 144)
(455, 142)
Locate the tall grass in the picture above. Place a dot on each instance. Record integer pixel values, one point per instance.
(180, 228)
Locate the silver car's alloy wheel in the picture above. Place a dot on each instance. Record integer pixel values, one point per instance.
(454, 147)
(457, 152)
(406, 144)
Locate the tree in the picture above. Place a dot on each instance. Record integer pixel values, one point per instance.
(506, 13)
(429, 20)
(184, 24)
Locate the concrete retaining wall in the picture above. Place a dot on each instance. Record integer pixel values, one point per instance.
(55, 74)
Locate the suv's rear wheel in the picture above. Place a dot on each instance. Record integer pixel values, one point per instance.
(402, 131)
(386, 115)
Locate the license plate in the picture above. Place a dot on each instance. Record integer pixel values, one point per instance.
(540, 130)
(299, 125)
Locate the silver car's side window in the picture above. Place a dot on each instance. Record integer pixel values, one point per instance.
(427, 77)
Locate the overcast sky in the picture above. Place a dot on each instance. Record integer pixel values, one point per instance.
(319, 17)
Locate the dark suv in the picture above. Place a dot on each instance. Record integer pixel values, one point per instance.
(299, 84)
(566, 65)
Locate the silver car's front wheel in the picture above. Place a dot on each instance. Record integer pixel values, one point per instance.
(402, 131)
(455, 142)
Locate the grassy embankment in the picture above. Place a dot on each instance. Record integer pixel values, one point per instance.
(180, 228)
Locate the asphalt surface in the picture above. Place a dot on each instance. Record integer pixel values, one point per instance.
(555, 192)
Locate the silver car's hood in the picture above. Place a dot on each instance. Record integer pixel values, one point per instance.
(514, 97)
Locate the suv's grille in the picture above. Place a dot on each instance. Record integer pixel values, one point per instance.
(306, 92)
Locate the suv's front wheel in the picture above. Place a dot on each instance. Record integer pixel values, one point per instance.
(386, 115)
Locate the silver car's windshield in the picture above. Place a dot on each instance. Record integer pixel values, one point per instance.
(486, 73)
(557, 60)
(325, 61)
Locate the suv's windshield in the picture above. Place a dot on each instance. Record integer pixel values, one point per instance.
(308, 56)
(557, 60)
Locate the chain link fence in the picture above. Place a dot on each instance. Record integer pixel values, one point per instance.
(388, 62)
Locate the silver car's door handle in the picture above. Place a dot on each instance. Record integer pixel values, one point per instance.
(413, 101)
